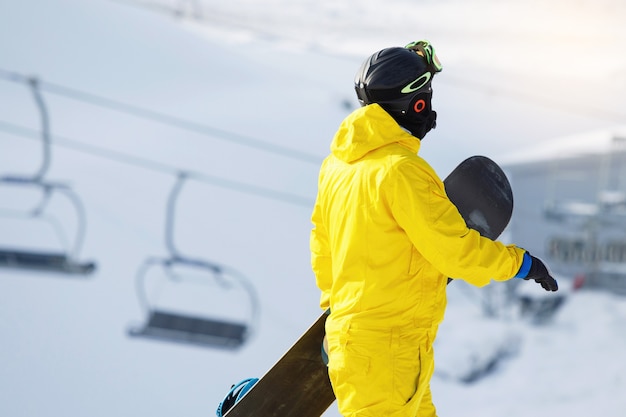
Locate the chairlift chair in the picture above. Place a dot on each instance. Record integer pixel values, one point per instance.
(64, 260)
(167, 325)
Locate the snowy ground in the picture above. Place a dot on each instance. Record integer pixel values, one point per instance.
(245, 96)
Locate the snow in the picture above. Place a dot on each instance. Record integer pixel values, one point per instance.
(570, 367)
(223, 90)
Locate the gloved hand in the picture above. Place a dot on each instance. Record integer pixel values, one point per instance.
(538, 272)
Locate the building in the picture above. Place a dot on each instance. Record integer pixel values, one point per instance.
(570, 206)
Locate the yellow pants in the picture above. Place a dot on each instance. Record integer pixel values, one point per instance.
(381, 373)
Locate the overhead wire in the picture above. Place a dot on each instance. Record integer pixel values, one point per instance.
(163, 118)
(156, 166)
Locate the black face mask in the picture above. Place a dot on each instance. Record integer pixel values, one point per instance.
(419, 128)
(419, 118)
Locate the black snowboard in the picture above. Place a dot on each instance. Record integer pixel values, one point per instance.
(480, 190)
(482, 193)
(298, 385)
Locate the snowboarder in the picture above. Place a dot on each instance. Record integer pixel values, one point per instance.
(386, 238)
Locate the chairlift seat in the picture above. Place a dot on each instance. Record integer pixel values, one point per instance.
(177, 327)
(186, 328)
(43, 261)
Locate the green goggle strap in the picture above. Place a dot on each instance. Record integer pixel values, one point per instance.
(428, 52)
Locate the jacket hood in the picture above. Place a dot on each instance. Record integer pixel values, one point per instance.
(366, 129)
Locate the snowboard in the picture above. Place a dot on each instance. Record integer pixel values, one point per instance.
(482, 193)
(298, 384)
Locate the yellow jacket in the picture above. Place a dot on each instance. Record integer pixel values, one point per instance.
(386, 237)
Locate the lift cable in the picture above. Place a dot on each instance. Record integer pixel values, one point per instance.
(163, 118)
(156, 166)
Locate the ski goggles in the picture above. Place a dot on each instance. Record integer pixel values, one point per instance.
(426, 50)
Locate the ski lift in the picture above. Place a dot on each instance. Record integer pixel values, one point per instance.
(63, 260)
(174, 325)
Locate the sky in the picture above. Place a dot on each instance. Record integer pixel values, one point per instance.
(244, 97)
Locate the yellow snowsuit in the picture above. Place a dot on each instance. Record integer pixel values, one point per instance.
(385, 239)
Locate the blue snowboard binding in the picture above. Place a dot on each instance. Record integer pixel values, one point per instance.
(235, 394)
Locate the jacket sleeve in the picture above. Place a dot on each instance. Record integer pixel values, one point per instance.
(320, 256)
(435, 227)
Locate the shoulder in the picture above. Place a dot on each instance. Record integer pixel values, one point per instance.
(414, 168)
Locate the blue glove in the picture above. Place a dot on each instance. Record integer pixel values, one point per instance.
(533, 268)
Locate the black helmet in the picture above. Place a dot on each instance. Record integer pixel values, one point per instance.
(399, 79)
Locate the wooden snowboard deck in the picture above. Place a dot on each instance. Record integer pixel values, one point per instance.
(296, 386)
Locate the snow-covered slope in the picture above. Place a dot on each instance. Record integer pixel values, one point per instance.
(246, 100)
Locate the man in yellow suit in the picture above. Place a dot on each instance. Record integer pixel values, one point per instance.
(386, 238)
